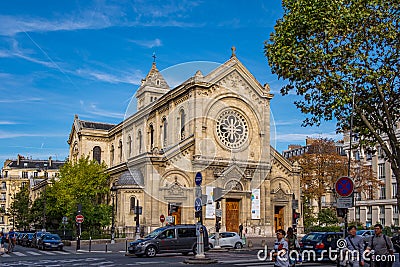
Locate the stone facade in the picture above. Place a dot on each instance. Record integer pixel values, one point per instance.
(219, 125)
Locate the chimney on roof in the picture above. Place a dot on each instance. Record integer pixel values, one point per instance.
(293, 146)
(50, 162)
(19, 158)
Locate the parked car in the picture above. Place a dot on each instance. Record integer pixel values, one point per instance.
(174, 238)
(19, 236)
(27, 239)
(396, 242)
(227, 239)
(319, 242)
(50, 241)
(36, 237)
(365, 234)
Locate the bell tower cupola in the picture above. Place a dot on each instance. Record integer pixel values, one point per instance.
(151, 88)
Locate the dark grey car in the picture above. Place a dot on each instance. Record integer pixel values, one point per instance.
(175, 238)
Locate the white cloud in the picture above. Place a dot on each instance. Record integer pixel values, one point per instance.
(9, 135)
(19, 100)
(103, 15)
(148, 43)
(301, 137)
(8, 123)
(92, 109)
(134, 78)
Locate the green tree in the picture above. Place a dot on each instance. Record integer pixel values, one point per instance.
(321, 166)
(333, 51)
(19, 209)
(327, 217)
(84, 182)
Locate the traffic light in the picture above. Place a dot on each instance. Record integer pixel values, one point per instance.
(217, 224)
(296, 217)
(341, 212)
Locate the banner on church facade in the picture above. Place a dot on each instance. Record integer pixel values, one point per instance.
(255, 204)
(210, 206)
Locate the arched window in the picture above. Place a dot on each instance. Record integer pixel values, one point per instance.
(120, 150)
(112, 155)
(140, 141)
(165, 131)
(132, 203)
(151, 132)
(97, 154)
(129, 144)
(182, 118)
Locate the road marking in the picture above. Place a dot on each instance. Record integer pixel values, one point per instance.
(19, 254)
(62, 252)
(33, 253)
(47, 252)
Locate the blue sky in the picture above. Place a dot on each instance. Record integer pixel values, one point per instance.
(60, 58)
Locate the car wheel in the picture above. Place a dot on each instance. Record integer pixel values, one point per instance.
(151, 251)
(238, 245)
(194, 249)
(210, 245)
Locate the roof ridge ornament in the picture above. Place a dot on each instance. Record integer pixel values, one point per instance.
(233, 48)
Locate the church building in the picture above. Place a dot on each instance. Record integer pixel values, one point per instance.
(216, 124)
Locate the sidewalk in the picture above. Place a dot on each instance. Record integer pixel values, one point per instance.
(121, 244)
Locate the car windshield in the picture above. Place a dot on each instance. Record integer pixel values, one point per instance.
(360, 232)
(155, 233)
(52, 237)
(313, 237)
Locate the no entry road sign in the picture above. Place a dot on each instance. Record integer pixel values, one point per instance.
(79, 218)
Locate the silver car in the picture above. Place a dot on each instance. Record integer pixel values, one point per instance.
(227, 239)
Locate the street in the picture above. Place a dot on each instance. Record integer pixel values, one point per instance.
(115, 256)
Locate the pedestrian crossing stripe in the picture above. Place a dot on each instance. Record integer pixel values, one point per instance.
(19, 254)
(33, 253)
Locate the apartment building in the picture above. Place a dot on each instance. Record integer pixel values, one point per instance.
(18, 173)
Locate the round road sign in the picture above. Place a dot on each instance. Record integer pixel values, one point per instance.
(197, 204)
(198, 179)
(344, 186)
(79, 218)
(162, 218)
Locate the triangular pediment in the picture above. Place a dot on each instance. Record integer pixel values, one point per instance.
(233, 172)
(235, 76)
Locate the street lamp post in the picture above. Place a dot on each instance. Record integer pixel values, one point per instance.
(113, 189)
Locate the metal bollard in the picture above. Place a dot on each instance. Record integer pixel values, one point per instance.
(126, 244)
(106, 246)
(90, 244)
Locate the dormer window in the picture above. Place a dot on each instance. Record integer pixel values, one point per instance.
(158, 82)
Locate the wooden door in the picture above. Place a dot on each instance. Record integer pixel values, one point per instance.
(232, 215)
(279, 222)
(177, 215)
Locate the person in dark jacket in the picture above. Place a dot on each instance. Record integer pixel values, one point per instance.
(382, 248)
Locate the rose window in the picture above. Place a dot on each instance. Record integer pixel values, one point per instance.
(232, 129)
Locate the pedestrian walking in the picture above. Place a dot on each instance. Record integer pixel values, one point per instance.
(281, 250)
(381, 247)
(241, 230)
(355, 248)
(293, 245)
(12, 239)
(2, 242)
